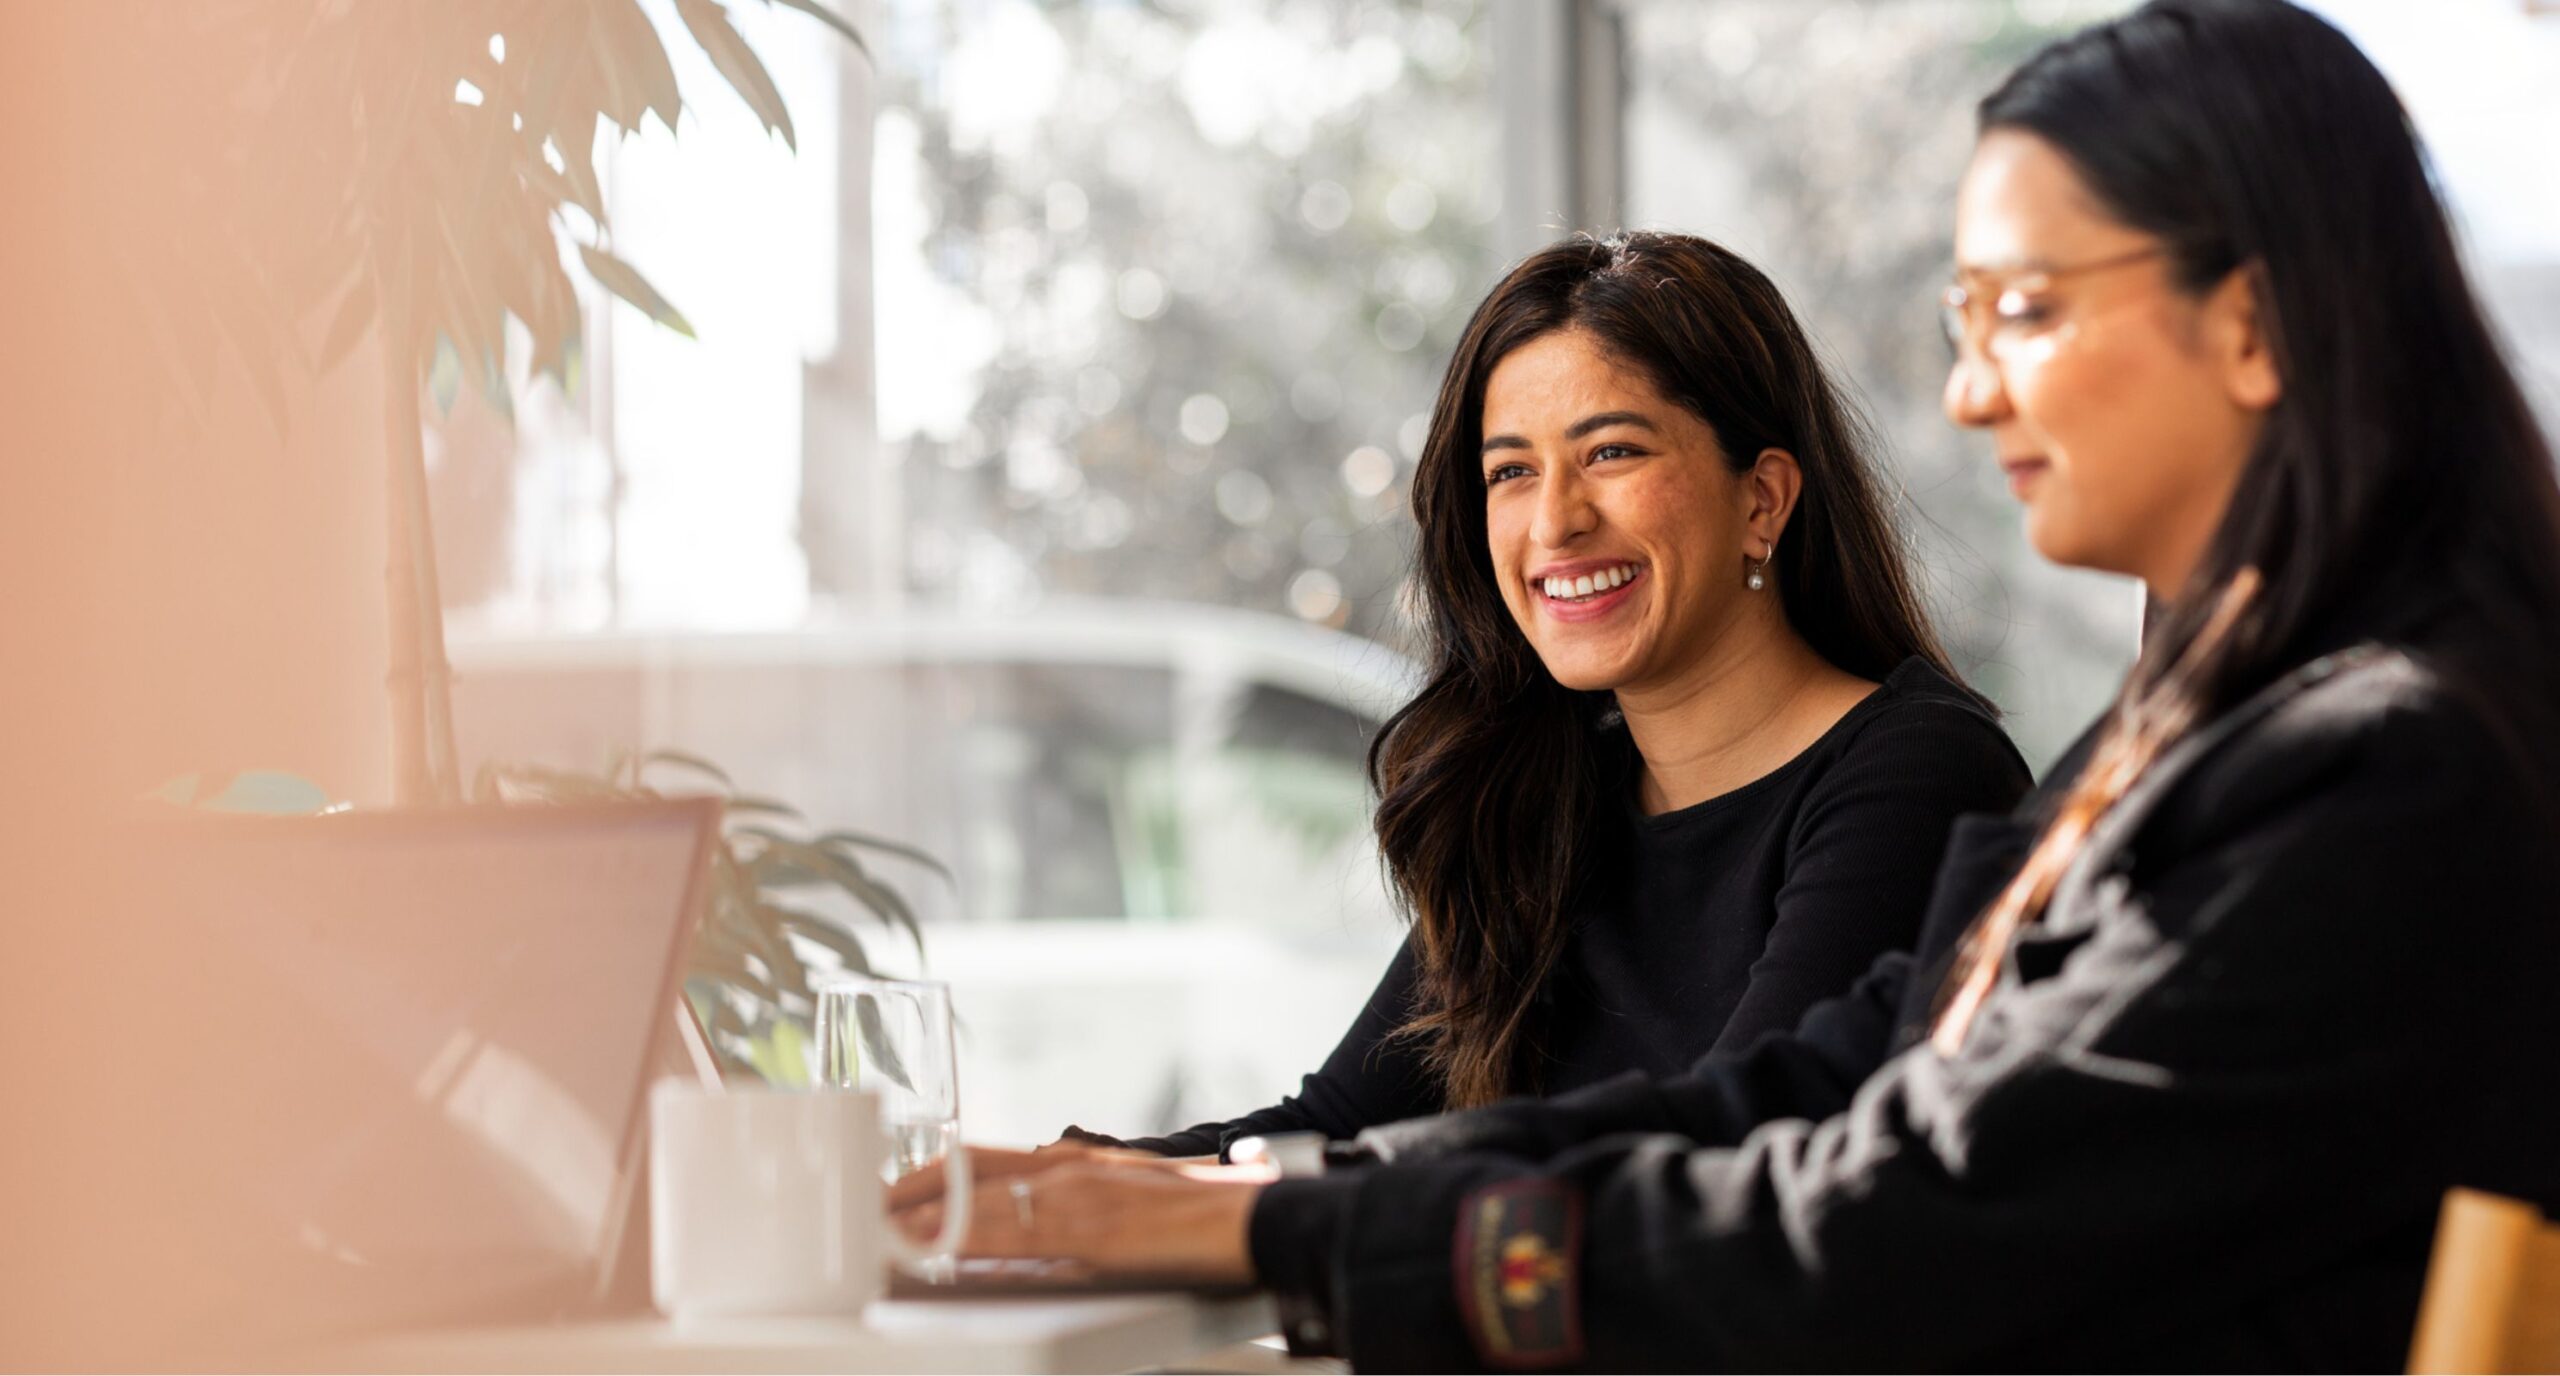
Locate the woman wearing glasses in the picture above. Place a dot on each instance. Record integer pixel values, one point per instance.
(2258, 974)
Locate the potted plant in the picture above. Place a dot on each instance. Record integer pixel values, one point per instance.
(433, 160)
(749, 980)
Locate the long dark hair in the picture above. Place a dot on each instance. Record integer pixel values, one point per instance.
(2250, 136)
(1490, 780)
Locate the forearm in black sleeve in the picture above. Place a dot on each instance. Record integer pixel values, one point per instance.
(1807, 1073)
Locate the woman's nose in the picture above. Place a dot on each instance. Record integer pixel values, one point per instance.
(1976, 396)
(1564, 510)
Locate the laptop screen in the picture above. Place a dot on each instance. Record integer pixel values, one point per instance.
(431, 1034)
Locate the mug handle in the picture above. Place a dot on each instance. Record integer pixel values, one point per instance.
(919, 1259)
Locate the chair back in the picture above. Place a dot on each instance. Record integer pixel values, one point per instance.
(2493, 1289)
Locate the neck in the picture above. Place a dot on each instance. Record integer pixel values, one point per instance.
(2178, 543)
(1728, 718)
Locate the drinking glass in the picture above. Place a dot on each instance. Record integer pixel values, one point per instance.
(892, 1037)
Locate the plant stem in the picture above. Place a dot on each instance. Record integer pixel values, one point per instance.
(423, 765)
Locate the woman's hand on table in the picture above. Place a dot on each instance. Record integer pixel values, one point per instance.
(1150, 1217)
(1004, 1163)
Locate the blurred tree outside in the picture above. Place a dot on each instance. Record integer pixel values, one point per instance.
(1223, 248)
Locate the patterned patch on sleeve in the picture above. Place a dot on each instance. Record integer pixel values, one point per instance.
(1517, 1262)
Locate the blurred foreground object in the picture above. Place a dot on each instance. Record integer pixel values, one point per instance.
(281, 183)
(2493, 1289)
(356, 1071)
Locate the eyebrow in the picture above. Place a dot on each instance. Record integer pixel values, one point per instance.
(1577, 430)
(2006, 267)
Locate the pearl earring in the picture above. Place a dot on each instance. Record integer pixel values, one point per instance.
(1757, 581)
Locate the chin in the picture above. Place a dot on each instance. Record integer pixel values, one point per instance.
(2056, 542)
(1586, 677)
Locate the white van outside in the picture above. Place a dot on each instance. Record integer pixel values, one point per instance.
(1168, 902)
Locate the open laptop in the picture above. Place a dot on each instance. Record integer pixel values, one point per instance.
(406, 1060)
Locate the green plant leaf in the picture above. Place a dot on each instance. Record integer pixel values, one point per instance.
(681, 760)
(771, 807)
(811, 927)
(804, 862)
(782, 1054)
(549, 182)
(638, 61)
(578, 167)
(724, 963)
(552, 320)
(267, 792)
(891, 908)
(444, 375)
(732, 1040)
(772, 869)
(831, 19)
(475, 308)
(888, 847)
(738, 64)
(625, 281)
(846, 873)
(875, 1040)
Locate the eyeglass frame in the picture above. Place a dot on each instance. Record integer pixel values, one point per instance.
(1956, 304)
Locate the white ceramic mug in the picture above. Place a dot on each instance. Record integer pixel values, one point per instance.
(768, 1201)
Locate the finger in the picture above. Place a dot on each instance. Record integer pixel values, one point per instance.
(985, 1163)
(1003, 1223)
(923, 1223)
(915, 1190)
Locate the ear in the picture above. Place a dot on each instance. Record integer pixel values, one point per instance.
(2244, 346)
(1769, 494)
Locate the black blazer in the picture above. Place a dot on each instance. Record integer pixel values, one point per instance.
(2297, 985)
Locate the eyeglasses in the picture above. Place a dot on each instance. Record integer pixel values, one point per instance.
(2001, 319)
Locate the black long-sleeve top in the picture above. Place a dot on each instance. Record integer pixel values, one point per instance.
(1715, 923)
(2296, 987)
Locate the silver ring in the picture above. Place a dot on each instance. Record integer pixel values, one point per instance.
(1020, 1189)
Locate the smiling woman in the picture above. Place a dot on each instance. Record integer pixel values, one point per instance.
(1688, 747)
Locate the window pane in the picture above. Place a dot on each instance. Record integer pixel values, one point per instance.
(1034, 492)
(1164, 292)
(2481, 80)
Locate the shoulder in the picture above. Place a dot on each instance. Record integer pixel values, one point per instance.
(2379, 797)
(1904, 764)
(2375, 730)
(1920, 726)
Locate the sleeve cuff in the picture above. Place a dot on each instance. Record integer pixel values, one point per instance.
(1296, 1229)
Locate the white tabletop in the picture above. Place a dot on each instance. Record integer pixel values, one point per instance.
(1082, 1333)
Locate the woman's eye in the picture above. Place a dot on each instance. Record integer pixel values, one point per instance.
(1613, 451)
(2018, 310)
(1505, 472)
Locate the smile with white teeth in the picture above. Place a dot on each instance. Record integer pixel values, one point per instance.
(1587, 586)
